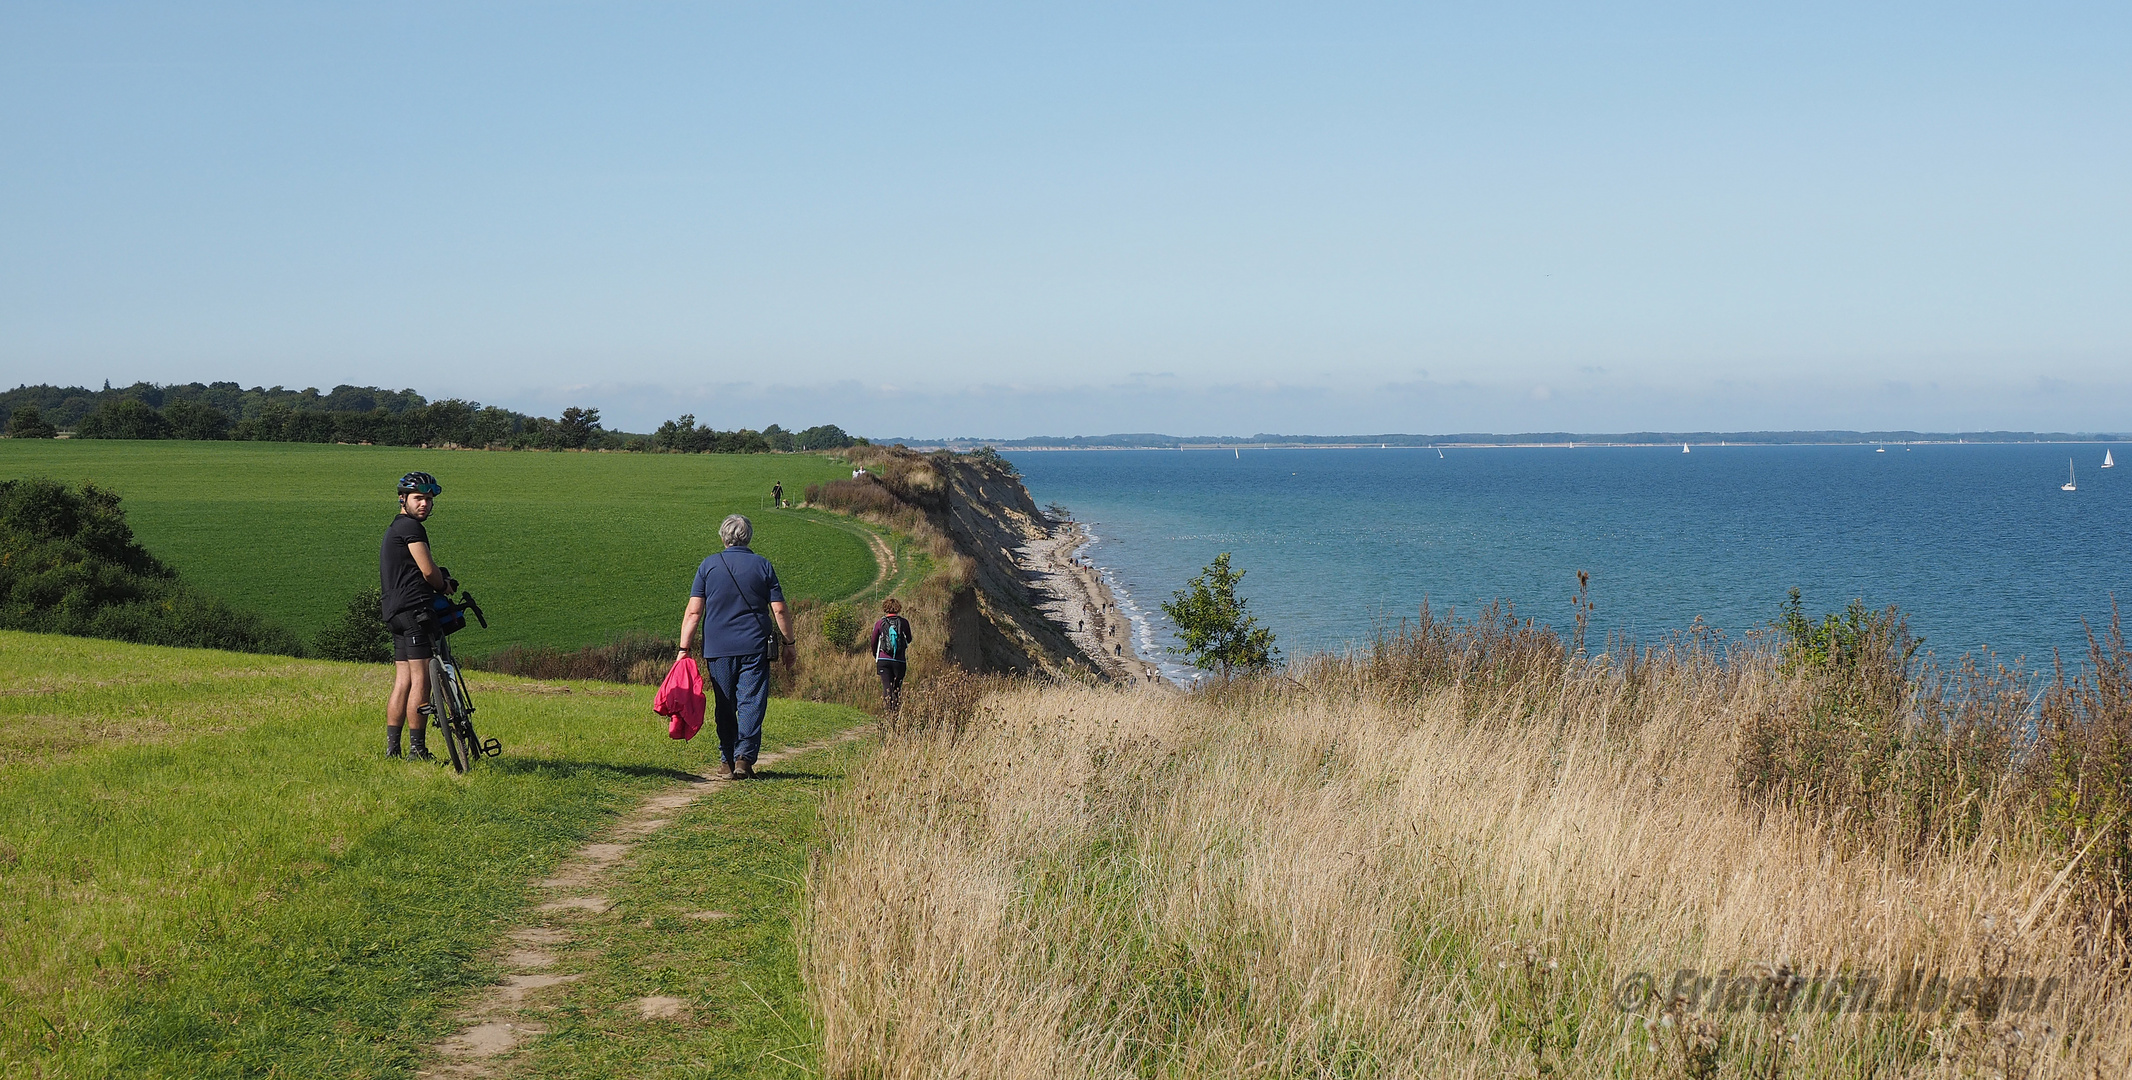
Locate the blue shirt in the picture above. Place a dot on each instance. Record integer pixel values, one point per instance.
(736, 615)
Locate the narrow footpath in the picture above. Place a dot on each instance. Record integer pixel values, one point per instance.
(506, 1017)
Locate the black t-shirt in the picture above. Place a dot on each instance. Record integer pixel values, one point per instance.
(398, 574)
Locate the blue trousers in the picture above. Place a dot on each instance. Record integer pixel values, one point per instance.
(741, 687)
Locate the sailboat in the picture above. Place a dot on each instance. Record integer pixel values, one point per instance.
(1439, 453)
(1880, 449)
(2068, 485)
(1239, 453)
(1684, 448)
(2106, 462)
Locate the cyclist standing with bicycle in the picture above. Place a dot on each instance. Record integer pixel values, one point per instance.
(411, 579)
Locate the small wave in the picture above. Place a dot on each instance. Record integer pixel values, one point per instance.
(1142, 622)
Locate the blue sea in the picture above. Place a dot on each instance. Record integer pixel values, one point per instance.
(1975, 541)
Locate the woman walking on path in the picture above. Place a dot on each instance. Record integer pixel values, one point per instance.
(735, 600)
(891, 643)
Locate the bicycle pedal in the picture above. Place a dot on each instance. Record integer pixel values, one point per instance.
(492, 748)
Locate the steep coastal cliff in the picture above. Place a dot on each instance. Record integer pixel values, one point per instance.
(994, 616)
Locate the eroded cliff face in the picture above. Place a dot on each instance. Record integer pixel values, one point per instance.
(990, 518)
(995, 624)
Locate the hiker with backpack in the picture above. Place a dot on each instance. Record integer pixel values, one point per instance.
(891, 642)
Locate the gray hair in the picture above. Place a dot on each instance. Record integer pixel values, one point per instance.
(736, 531)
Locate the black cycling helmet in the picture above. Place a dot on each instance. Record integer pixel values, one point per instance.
(420, 483)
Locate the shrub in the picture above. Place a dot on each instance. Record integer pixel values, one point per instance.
(840, 624)
(634, 657)
(991, 460)
(2082, 770)
(857, 496)
(360, 635)
(126, 418)
(28, 423)
(196, 420)
(69, 565)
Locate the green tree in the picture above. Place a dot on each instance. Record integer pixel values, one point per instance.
(822, 437)
(988, 457)
(491, 427)
(196, 420)
(28, 423)
(1218, 633)
(360, 635)
(576, 427)
(126, 418)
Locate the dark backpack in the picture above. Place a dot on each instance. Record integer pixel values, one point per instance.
(894, 637)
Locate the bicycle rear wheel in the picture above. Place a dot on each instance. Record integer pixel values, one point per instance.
(444, 701)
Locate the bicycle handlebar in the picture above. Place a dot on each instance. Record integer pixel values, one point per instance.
(468, 603)
(474, 606)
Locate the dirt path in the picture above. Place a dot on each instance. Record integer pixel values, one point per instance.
(885, 563)
(884, 555)
(501, 1019)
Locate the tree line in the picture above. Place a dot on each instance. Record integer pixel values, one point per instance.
(359, 414)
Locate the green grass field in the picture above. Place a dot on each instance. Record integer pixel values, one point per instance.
(206, 869)
(563, 549)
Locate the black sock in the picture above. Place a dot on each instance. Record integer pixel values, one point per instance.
(392, 740)
(419, 737)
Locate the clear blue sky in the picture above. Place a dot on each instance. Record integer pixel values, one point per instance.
(1013, 219)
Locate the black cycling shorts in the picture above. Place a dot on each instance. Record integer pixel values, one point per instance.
(411, 636)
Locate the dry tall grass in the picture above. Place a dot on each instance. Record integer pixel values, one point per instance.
(1448, 857)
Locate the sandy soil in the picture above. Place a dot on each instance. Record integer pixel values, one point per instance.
(1074, 596)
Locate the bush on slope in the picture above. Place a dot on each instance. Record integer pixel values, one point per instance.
(69, 565)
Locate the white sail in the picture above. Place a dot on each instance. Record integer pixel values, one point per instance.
(2070, 479)
(2106, 462)
(1684, 448)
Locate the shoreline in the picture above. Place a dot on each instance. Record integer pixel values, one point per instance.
(1076, 599)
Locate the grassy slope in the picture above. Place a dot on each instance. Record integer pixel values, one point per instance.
(205, 870)
(563, 549)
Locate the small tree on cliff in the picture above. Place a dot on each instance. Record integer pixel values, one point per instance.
(1218, 634)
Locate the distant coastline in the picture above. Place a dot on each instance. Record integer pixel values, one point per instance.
(1153, 441)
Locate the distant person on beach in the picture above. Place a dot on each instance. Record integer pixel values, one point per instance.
(891, 645)
(740, 606)
(410, 579)
(777, 493)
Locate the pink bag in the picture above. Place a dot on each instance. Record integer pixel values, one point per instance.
(680, 699)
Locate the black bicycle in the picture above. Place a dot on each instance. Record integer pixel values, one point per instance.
(454, 707)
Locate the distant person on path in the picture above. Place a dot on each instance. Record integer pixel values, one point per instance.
(739, 605)
(891, 644)
(410, 579)
(777, 494)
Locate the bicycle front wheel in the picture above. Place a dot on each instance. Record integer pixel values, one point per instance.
(444, 702)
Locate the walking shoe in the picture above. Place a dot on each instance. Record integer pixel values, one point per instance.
(725, 770)
(747, 768)
(420, 753)
(392, 755)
